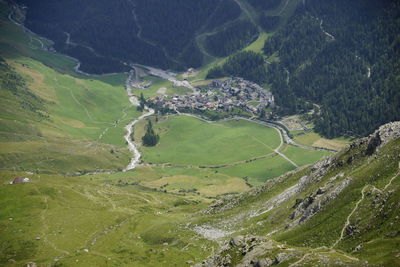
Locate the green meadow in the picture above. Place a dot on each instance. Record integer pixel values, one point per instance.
(234, 148)
(303, 156)
(189, 141)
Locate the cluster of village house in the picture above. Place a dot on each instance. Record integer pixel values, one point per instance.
(220, 95)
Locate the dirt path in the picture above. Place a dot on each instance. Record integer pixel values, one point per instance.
(250, 14)
(45, 229)
(277, 151)
(349, 216)
(342, 233)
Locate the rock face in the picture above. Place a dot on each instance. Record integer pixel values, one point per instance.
(388, 132)
(253, 251)
(379, 138)
(314, 203)
(373, 144)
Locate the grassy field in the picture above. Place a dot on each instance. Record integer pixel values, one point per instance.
(190, 141)
(187, 142)
(303, 156)
(258, 45)
(259, 171)
(314, 139)
(77, 125)
(91, 221)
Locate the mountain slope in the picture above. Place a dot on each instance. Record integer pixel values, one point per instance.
(157, 33)
(343, 56)
(342, 210)
(52, 119)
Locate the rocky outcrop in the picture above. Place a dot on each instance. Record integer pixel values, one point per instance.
(252, 249)
(387, 133)
(316, 174)
(306, 208)
(378, 139)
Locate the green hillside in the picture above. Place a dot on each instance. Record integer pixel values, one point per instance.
(53, 120)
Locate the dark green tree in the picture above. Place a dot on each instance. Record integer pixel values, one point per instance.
(262, 114)
(142, 102)
(150, 138)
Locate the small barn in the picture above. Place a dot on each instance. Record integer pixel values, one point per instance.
(20, 180)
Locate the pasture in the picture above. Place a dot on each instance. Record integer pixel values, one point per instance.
(189, 141)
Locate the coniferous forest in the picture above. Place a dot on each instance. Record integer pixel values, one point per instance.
(337, 58)
(247, 64)
(151, 32)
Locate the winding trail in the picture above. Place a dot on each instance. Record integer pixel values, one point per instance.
(31, 33)
(71, 43)
(248, 12)
(283, 8)
(349, 216)
(342, 233)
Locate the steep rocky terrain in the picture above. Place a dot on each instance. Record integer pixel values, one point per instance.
(343, 210)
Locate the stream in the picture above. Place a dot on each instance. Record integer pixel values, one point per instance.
(133, 147)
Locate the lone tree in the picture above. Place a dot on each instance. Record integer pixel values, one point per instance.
(150, 138)
(142, 102)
